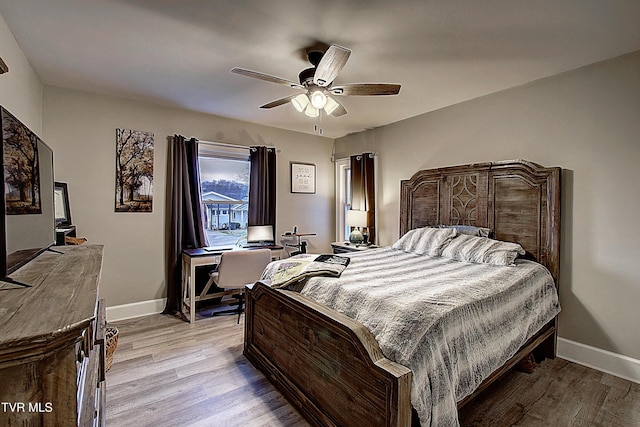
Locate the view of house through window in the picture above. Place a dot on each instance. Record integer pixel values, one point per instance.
(224, 180)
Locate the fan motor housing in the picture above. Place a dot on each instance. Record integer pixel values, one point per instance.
(306, 76)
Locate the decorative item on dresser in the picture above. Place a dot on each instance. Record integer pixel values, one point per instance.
(62, 234)
(52, 341)
(111, 344)
(65, 230)
(518, 200)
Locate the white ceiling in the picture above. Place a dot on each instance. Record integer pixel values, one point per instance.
(179, 53)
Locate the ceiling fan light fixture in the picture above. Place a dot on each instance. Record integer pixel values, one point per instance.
(317, 82)
(331, 105)
(311, 111)
(318, 99)
(300, 102)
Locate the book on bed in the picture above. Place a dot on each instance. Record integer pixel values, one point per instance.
(295, 270)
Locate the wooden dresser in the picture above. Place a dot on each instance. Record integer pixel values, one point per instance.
(52, 339)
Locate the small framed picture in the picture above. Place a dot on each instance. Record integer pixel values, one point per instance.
(303, 177)
(61, 204)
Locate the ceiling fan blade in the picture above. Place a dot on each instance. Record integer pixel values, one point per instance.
(330, 65)
(279, 102)
(339, 111)
(366, 89)
(266, 77)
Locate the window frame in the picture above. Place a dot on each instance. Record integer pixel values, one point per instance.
(221, 151)
(342, 196)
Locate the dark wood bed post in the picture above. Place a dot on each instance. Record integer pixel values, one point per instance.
(330, 366)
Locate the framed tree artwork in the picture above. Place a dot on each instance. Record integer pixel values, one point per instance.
(134, 171)
(303, 177)
(21, 167)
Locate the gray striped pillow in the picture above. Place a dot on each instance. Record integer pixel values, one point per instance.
(482, 250)
(425, 241)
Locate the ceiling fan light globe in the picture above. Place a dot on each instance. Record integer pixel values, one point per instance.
(318, 99)
(300, 102)
(330, 106)
(311, 111)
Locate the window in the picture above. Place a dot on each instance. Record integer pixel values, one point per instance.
(343, 197)
(224, 189)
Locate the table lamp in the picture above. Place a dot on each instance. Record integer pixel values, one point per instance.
(356, 219)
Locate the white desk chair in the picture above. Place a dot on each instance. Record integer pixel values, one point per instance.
(237, 269)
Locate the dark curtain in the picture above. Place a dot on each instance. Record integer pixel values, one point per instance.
(363, 192)
(262, 186)
(185, 219)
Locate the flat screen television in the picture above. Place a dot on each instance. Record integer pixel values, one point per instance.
(28, 218)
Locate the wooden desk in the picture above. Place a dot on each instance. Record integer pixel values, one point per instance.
(192, 258)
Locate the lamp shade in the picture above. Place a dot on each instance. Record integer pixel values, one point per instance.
(356, 218)
(300, 102)
(312, 103)
(318, 99)
(331, 105)
(311, 111)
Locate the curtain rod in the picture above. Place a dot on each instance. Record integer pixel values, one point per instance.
(224, 144)
(348, 156)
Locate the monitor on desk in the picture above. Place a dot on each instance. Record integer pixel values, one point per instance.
(260, 235)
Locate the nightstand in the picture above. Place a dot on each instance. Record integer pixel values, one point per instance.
(343, 247)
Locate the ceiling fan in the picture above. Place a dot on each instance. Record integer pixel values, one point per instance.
(317, 82)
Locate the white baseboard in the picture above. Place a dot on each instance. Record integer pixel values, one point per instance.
(602, 360)
(135, 309)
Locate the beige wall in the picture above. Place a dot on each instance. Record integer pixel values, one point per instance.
(588, 122)
(20, 88)
(81, 128)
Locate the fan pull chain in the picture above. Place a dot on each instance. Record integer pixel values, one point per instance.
(317, 128)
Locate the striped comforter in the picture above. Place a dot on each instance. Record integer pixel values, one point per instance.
(452, 323)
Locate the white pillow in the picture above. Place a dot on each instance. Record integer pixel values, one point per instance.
(425, 241)
(482, 250)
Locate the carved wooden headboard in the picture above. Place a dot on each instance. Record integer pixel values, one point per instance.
(518, 200)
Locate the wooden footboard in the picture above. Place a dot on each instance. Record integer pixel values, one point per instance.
(328, 365)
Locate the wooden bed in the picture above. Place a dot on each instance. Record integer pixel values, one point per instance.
(330, 366)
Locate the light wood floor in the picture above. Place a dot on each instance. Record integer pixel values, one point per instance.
(167, 372)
